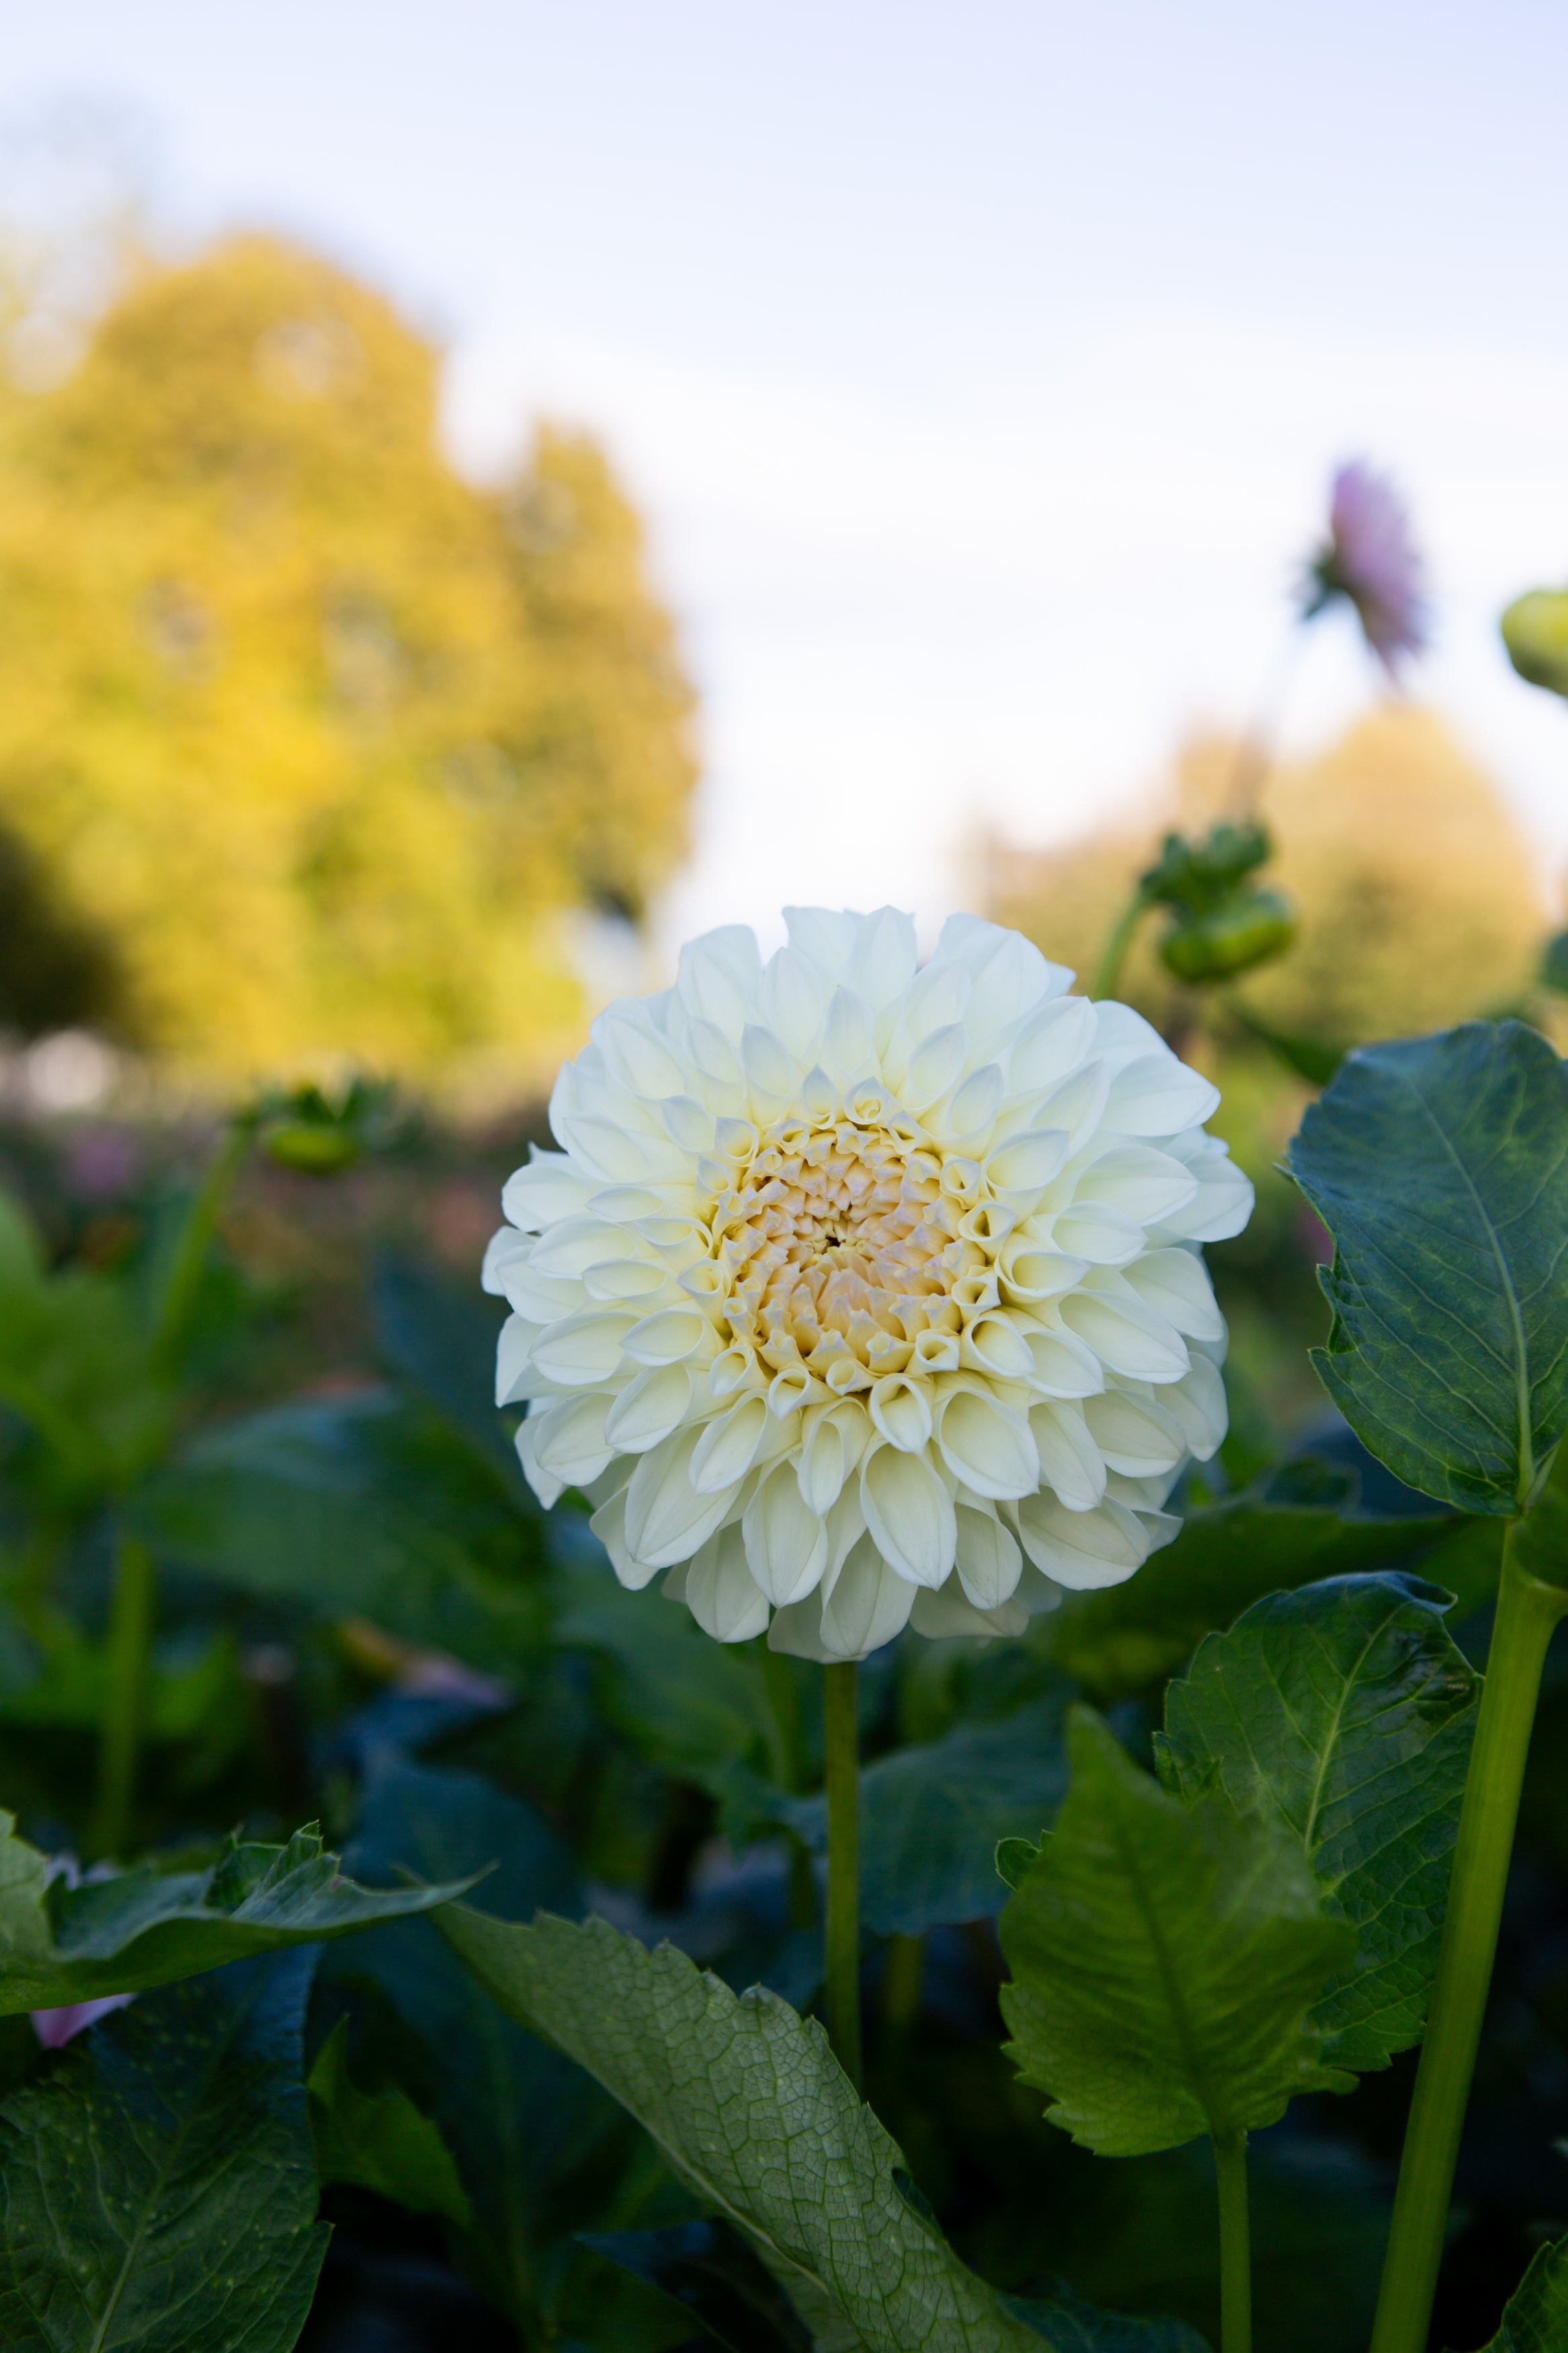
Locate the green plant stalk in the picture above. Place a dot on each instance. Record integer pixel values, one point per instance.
(1113, 956)
(1527, 1611)
(178, 1302)
(125, 1705)
(1235, 2243)
(842, 1748)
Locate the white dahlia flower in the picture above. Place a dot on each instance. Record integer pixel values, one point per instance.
(861, 1294)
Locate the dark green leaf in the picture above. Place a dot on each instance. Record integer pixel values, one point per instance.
(931, 1816)
(751, 2110)
(1536, 2318)
(443, 1342)
(1071, 2326)
(159, 2192)
(357, 1508)
(1016, 1857)
(1440, 1168)
(1164, 1957)
(711, 2273)
(690, 1705)
(378, 2140)
(1130, 1636)
(1312, 1059)
(145, 1927)
(1344, 1712)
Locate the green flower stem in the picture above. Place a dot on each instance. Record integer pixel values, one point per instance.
(1527, 1612)
(1113, 956)
(125, 1705)
(1235, 2243)
(842, 1746)
(178, 1303)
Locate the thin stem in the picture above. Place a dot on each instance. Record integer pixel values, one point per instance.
(178, 1305)
(1235, 2243)
(125, 1704)
(1113, 956)
(843, 1763)
(1527, 1611)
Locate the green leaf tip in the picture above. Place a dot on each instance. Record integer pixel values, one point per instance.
(1536, 2317)
(752, 2111)
(1164, 1957)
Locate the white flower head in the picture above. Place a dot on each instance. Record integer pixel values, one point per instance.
(862, 1294)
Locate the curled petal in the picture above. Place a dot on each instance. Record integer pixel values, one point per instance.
(911, 1514)
(720, 1592)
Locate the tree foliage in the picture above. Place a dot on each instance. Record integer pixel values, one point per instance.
(314, 740)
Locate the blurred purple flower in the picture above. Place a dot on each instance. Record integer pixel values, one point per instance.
(54, 2028)
(101, 1164)
(1371, 560)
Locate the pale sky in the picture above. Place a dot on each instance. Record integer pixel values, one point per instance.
(979, 369)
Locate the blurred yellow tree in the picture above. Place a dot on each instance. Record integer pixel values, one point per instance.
(314, 737)
(1418, 900)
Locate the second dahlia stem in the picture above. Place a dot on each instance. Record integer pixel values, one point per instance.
(1235, 2243)
(1527, 1611)
(131, 1623)
(842, 1759)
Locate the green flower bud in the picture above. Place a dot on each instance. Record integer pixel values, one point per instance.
(1245, 929)
(1535, 631)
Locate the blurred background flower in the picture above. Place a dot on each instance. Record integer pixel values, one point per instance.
(1371, 559)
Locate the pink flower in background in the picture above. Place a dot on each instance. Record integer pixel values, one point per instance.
(1371, 561)
(54, 2028)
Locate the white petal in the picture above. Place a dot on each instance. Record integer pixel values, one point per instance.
(868, 1604)
(909, 1512)
(713, 1054)
(936, 1064)
(687, 1122)
(1053, 1041)
(540, 1299)
(609, 1524)
(792, 1001)
(667, 1519)
(989, 1559)
(727, 1446)
(1076, 1103)
(1144, 1185)
(797, 1632)
(1223, 1202)
(720, 1592)
(1063, 1365)
(1158, 1095)
(786, 1542)
(1020, 1170)
(972, 1112)
(768, 1066)
(848, 1041)
(949, 1612)
(574, 1243)
(996, 1343)
(937, 998)
(901, 1410)
(648, 1408)
(583, 1351)
(514, 1358)
(669, 1337)
(569, 1437)
(1176, 1285)
(833, 1450)
(629, 1278)
(1126, 1336)
(882, 961)
(1198, 1402)
(987, 1444)
(1135, 1439)
(1082, 1550)
(824, 936)
(504, 1249)
(544, 1483)
(547, 1188)
(1100, 1235)
(719, 977)
(1013, 977)
(639, 1059)
(618, 1155)
(1030, 1268)
(1070, 1463)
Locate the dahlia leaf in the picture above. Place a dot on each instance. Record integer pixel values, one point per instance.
(709, 2274)
(442, 1342)
(157, 2187)
(1344, 1712)
(1129, 1636)
(380, 2140)
(145, 1927)
(1440, 1168)
(751, 2110)
(1165, 1955)
(1535, 2319)
(1071, 2326)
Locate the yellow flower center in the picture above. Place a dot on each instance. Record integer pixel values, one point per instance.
(841, 1246)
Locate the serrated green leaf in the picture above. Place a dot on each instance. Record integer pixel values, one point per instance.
(1345, 1714)
(1129, 1636)
(378, 2140)
(1071, 2326)
(1440, 1168)
(1535, 2319)
(1015, 1857)
(752, 2111)
(146, 1927)
(712, 2275)
(158, 2186)
(932, 1815)
(1164, 1955)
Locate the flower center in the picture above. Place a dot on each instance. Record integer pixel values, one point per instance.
(839, 1245)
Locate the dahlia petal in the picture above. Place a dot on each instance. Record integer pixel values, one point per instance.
(1075, 1104)
(1099, 1234)
(583, 1349)
(1082, 1550)
(514, 1358)
(768, 1066)
(1176, 1285)
(569, 1439)
(1223, 1200)
(988, 1561)
(987, 1444)
(609, 1524)
(849, 1032)
(547, 1189)
(972, 1110)
(614, 1155)
(950, 1612)
(1031, 1269)
(900, 1409)
(911, 1514)
(728, 1447)
(1143, 1184)
(1197, 1402)
(1020, 1170)
(713, 1053)
(1158, 1095)
(540, 1299)
(1072, 1463)
(882, 960)
(687, 1123)
(629, 1278)
(638, 1060)
(996, 1344)
(1126, 1336)
(1136, 1439)
(936, 1064)
(792, 1001)
(720, 1592)
(667, 1519)
(834, 1448)
(503, 1252)
(868, 1604)
(1052, 1042)
(938, 998)
(1013, 978)
(667, 1337)
(547, 1488)
(824, 936)
(1063, 1365)
(797, 1632)
(786, 1542)
(648, 1408)
(572, 1244)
